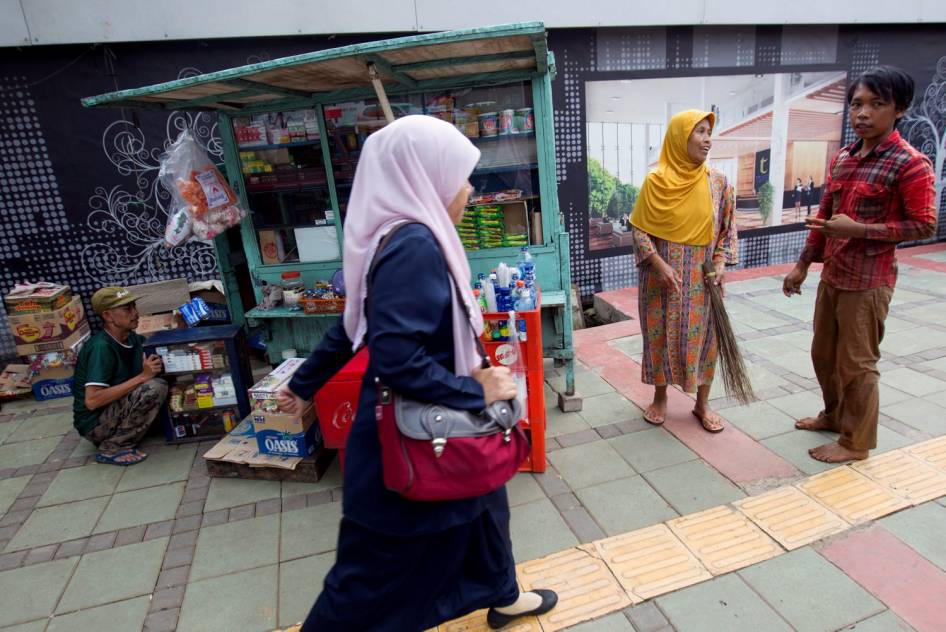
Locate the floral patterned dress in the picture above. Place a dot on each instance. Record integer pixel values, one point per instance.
(679, 342)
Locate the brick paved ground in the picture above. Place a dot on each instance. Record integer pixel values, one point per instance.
(162, 546)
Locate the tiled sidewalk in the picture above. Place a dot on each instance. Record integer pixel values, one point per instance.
(161, 546)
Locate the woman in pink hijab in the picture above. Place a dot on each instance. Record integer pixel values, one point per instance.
(404, 565)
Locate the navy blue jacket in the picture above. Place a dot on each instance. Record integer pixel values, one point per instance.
(410, 343)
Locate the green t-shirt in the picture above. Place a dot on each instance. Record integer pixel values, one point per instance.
(103, 361)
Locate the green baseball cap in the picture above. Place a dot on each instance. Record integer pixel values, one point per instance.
(111, 297)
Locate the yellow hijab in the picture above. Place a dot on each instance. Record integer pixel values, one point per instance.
(675, 202)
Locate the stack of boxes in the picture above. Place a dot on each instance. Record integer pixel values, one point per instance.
(49, 327)
(279, 433)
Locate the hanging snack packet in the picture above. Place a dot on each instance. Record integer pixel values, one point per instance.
(197, 189)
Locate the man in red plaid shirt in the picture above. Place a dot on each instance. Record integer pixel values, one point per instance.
(878, 192)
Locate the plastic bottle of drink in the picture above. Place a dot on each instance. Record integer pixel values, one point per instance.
(490, 296)
(504, 299)
(480, 299)
(526, 265)
(523, 298)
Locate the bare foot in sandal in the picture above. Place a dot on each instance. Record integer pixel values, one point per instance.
(836, 453)
(656, 413)
(710, 421)
(814, 423)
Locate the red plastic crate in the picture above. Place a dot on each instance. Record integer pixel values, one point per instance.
(337, 401)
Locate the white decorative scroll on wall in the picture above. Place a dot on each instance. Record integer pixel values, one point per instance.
(924, 126)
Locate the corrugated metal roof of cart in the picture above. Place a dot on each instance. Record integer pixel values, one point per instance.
(406, 64)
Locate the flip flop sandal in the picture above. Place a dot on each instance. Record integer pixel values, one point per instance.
(656, 420)
(112, 459)
(707, 428)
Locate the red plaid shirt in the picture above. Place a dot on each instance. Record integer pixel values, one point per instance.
(891, 190)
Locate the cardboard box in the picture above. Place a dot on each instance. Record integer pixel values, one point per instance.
(15, 381)
(148, 325)
(78, 336)
(53, 382)
(160, 297)
(287, 435)
(271, 247)
(263, 393)
(31, 298)
(42, 327)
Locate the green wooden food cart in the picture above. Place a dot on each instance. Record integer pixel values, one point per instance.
(292, 130)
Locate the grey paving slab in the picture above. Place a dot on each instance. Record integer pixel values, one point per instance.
(242, 601)
(80, 483)
(760, 420)
(893, 325)
(693, 486)
(300, 582)
(32, 626)
(31, 592)
(886, 621)
(587, 383)
(799, 405)
(233, 492)
(810, 592)
(798, 362)
(631, 346)
(332, 479)
(939, 364)
(589, 464)
(761, 378)
(309, 531)
(141, 506)
(27, 452)
(165, 465)
(793, 447)
(616, 622)
(888, 440)
(912, 382)
(910, 341)
(523, 489)
(610, 408)
(890, 395)
(537, 530)
(41, 427)
(84, 448)
(10, 488)
(922, 527)
(58, 524)
(114, 617)
(625, 505)
(236, 546)
(7, 428)
(937, 398)
(759, 319)
(558, 423)
(651, 449)
(725, 603)
(114, 575)
(903, 297)
(920, 414)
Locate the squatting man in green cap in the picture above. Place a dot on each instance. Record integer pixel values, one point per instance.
(117, 391)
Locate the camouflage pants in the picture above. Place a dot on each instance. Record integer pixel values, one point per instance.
(124, 422)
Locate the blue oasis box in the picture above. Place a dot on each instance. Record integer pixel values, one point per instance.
(52, 388)
(287, 435)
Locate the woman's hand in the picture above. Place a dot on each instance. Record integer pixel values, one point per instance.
(664, 275)
(719, 276)
(289, 402)
(497, 382)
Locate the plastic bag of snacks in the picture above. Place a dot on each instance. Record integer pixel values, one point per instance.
(202, 203)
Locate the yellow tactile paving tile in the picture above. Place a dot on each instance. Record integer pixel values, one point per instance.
(476, 622)
(651, 562)
(790, 517)
(932, 451)
(724, 540)
(586, 588)
(904, 475)
(852, 495)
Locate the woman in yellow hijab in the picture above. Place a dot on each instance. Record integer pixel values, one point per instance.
(683, 217)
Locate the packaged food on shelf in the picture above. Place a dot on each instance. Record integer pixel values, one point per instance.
(488, 124)
(505, 123)
(525, 120)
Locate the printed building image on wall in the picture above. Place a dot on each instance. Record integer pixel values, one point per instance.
(774, 136)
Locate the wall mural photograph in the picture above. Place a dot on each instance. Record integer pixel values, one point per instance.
(774, 136)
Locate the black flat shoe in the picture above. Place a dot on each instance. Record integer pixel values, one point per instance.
(498, 620)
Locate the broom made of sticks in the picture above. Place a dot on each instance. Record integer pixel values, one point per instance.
(735, 377)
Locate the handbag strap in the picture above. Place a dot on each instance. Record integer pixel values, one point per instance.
(374, 262)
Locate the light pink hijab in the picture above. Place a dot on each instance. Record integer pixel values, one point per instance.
(410, 171)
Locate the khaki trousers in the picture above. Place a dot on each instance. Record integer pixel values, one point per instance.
(849, 326)
(124, 422)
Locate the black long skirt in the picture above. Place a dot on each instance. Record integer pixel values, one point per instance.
(403, 584)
